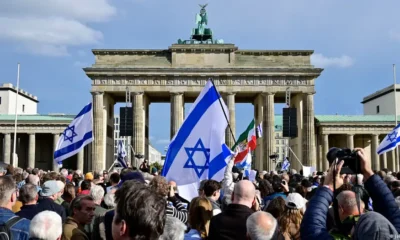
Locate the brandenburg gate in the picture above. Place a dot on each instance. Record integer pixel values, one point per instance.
(178, 74)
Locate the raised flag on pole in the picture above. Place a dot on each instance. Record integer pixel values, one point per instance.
(76, 136)
(390, 142)
(259, 130)
(121, 154)
(245, 164)
(285, 165)
(247, 142)
(198, 149)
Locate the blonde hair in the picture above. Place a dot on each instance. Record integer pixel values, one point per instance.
(289, 216)
(200, 214)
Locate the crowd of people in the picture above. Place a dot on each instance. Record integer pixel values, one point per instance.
(140, 204)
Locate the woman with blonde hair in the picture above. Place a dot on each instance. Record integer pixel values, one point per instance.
(200, 214)
(292, 216)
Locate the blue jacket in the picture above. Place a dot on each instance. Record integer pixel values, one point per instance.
(20, 230)
(313, 225)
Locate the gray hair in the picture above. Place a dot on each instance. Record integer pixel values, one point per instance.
(46, 225)
(256, 226)
(77, 203)
(27, 193)
(109, 200)
(174, 229)
(347, 200)
(7, 188)
(64, 172)
(97, 193)
(34, 179)
(25, 175)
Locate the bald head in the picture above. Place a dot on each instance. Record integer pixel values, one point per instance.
(348, 203)
(172, 183)
(244, 193)
(261, 226)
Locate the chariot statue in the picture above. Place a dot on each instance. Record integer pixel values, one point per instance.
(201, 33)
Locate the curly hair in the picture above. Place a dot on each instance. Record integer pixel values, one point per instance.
(290, 216)
(265, 188)
(159, 184)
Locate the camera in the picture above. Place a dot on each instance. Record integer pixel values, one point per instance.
(350, 157)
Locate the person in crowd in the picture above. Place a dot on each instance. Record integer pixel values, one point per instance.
(200, 214)
(212, 190)
(200, 191)
(280, 187)
(89, 176)
(174, 207)
(262, 226)
(61, 186)
(64, 173)
(106, 177)
(28, 196)
(266, 189)
(50, 192)
(68, 196)
(292, 216)
(18, 227)
(313, 225)
(2, 171)
(231, 223)
(154, 171)
(114, 180)
(144, 167)
(109, 200)
(85, 187)
(276, 207)
(97, 193)
(228, 183)
(82, 213)
(184, 201)
(46, 225)
(140, 212)
(174, 229)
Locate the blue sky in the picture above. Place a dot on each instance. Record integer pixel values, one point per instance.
(355, 41)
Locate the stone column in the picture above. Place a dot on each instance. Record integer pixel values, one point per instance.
(350, 141)
(230, 102)
(258, 116)
(80, 160)
(325, 146)
(138, 123)
(268, 130)
(384, 161)
(31, 151)
(392, 160)
(55, 141)
(309, 153)
(98, 132)
(374, 155)
(7, 148)
(177, 106)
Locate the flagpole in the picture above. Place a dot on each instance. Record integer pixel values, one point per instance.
(222, 107)
(395, 115)
(15, 157)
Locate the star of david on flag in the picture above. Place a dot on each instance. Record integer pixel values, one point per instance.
(76, 136)
(198, 149)
(121, 154)
(390, 142)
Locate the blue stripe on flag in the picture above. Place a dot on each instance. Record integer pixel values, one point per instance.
(391, 145)
(191, 121)
(219, 162)
(85, 110)
(74, 146)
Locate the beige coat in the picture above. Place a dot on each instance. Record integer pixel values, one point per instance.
(73, 231)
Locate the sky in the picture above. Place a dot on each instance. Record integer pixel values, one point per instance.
(356, 42)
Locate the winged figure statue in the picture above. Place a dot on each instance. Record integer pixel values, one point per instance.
(201, 19)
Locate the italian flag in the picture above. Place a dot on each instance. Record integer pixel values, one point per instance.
(247, 142)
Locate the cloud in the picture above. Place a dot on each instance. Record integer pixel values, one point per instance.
(320, 60)
(50, 27)
(163, 141)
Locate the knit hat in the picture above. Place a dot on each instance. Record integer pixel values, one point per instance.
(89, 176)
(154, 170)
(295, 201)
(49, 188)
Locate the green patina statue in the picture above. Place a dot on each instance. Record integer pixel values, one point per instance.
(201, 34)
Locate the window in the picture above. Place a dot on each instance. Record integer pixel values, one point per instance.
(23, 108)
(277, 150)
(377, 109)
(277, 141)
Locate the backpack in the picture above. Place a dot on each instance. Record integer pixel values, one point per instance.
(5, 228)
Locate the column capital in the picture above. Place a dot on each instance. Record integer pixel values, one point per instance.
(267, 93)
(230, 93)
(137, 93)
(31, 133)
(175, 93)
(310, 93)
(350, 134)
(97, 93)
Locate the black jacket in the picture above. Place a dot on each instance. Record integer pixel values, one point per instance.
(231, 223)
(48, 204)
(28, 211)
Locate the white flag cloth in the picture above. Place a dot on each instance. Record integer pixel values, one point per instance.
(390, 142)
(76, 136)
(285, 165)
(121, 154)
(198, 149)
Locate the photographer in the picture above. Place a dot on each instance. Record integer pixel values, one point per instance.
(367, 226)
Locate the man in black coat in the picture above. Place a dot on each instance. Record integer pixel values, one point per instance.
(231, 223)
(50, 192)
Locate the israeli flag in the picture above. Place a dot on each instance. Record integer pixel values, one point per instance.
(76, 136)
(285, 165)
(121, 154)
(390, 142)
(198, 149)
(245, 164)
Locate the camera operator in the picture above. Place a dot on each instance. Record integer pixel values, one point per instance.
(382, 224)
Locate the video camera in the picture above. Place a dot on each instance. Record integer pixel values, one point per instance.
(350, 157)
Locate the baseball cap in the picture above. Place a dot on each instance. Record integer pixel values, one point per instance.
(49, 188)
(295, 201)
